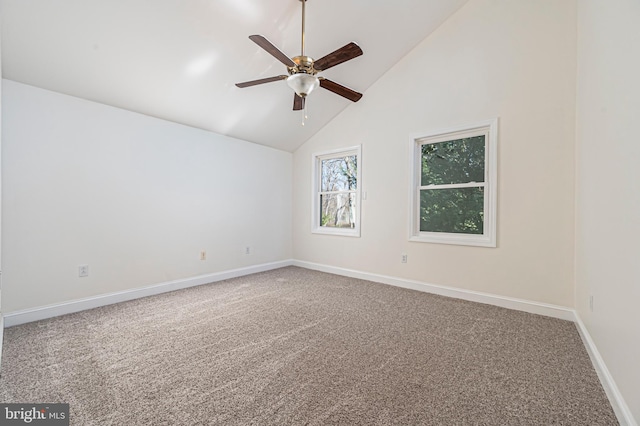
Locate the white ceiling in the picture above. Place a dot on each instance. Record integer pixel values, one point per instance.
(179, 59)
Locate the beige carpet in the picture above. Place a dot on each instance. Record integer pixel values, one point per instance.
(294, 347)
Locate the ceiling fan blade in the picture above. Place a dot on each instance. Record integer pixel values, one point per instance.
(261, 81)
(298, 102)
(345, 53)
(338, 89)
(272, 50)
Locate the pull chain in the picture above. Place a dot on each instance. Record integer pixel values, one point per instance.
(304, 112)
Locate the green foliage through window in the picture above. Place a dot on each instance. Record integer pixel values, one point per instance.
(459, 210)
(452, 186)
(457, 161)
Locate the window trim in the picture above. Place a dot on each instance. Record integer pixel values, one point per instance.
(316, 180)
(488, 239)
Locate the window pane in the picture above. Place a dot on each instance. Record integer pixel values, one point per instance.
(459, 210)
(457, 161)
(339, 174)
(338, 210)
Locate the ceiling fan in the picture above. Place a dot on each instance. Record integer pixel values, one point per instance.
(303, 69)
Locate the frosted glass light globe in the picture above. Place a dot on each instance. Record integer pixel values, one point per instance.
(302, 83)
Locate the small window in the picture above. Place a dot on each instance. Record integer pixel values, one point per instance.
(454, 186)
(336, 192)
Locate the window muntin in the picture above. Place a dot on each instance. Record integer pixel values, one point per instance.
(336, 198)
(453, 197)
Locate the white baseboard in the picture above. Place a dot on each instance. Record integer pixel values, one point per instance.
(615, 398)
(618, 403)
(545, 309)
(36, 314)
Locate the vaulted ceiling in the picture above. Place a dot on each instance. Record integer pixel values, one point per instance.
(179, 59)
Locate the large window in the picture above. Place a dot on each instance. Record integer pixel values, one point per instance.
(453, 194)
(336, 194)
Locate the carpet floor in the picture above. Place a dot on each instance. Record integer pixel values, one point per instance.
(293, 347)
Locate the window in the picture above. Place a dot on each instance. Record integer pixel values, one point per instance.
(453, 195)
(336, 192)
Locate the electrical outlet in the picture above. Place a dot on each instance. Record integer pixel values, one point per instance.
(203, 255)
(83, 270)
(404, 258)
(247, 250)
(591, 302)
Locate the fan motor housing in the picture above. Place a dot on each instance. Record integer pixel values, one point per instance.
(303, 64)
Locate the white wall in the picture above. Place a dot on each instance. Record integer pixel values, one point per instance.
(515, 60)
(134, 197)
(608, 186)
(1, 317)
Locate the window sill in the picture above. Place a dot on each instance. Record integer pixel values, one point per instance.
(337, 231)
(455, 239)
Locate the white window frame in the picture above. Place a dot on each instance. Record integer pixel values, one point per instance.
(487, 128)
(316, 180)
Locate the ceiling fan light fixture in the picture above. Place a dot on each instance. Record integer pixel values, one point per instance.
(303, 84)
(302, 69)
